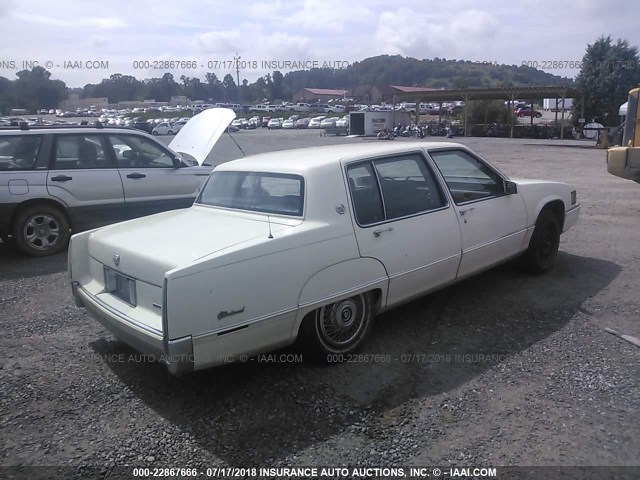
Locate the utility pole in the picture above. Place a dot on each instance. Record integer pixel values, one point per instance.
(237, 60)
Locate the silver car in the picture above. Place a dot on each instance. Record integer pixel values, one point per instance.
(55, 181)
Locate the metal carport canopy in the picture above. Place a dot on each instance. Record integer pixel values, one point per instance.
(493, 93)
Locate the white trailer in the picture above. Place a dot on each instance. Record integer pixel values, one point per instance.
(553, 104)
(369, 124)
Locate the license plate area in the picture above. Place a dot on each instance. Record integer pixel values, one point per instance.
(120, 286)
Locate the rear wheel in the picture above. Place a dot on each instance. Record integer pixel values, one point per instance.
(170, 132)
(40, 230)
(543, 247)
(338, 328)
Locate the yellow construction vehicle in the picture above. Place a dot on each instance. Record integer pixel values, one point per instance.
(624, 161)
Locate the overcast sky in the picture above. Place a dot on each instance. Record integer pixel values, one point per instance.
(124, 31)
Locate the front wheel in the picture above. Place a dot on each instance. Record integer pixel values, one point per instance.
(543, 247)
(170, 132)
(337, 328)
(40, 230)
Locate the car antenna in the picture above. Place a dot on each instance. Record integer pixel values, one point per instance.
(234, 141)
(269, 222)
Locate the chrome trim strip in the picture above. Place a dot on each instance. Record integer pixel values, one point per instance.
(245, 323)
(473, 249)
(571, 210)
(119, 315)
(399, 274)
(343, 292)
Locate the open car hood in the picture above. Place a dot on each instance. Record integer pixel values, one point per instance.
(199, 135)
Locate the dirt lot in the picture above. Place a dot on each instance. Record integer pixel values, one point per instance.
(506, 369)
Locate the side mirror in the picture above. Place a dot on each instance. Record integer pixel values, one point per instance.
(510, 188)
(177, 162)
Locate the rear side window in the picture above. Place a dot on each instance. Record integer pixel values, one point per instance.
(80, 152)
(19, 152)
(391, 188)
(367, 202)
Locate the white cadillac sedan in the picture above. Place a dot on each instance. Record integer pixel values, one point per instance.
(310, 245)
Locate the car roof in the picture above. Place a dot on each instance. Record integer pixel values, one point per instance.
(304, 160)
(77, 130)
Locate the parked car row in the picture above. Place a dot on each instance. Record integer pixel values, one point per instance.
(294, 122)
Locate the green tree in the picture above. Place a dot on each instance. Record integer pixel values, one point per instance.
(230, 89)
(34, 89)
(488, 111)
(277, 90)
(609, 70)
(7, 97)
(214, 87)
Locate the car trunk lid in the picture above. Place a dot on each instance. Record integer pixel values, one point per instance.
(148, 247)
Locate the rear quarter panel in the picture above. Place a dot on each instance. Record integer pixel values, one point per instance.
(259, 282)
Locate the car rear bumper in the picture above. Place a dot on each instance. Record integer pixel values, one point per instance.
(176, 354)
(571, 217)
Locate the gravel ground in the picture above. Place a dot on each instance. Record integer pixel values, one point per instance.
(501, 369)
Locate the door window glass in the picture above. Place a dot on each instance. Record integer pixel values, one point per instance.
(367, 202)
(136, 151)
(80, 152)
(467, 177)
(19, 152)
(408, 187)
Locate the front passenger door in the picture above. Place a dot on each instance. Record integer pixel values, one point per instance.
(152, 183)
(493, 223)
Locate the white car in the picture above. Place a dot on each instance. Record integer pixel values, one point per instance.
(328, 122)
(275, 123)
(343, 122)
(316, 121)
(288, 124)
(336, 109)
(163, 128)
(310, 244)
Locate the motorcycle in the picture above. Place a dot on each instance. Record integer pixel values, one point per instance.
(449, 131)
(385, 135)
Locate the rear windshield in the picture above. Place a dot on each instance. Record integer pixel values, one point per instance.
(19, 152)
(275, 193)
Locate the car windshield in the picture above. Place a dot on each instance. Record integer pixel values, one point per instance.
(276, 193)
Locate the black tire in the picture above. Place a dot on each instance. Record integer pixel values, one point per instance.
(170, 132)
(323, 331)
(40, 230)
(543, 247)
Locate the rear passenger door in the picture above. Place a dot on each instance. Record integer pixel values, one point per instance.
(402, 218)
(152, 183)
(82, 175)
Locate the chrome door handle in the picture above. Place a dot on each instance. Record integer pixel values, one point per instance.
(376, 233)
(465, 210)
